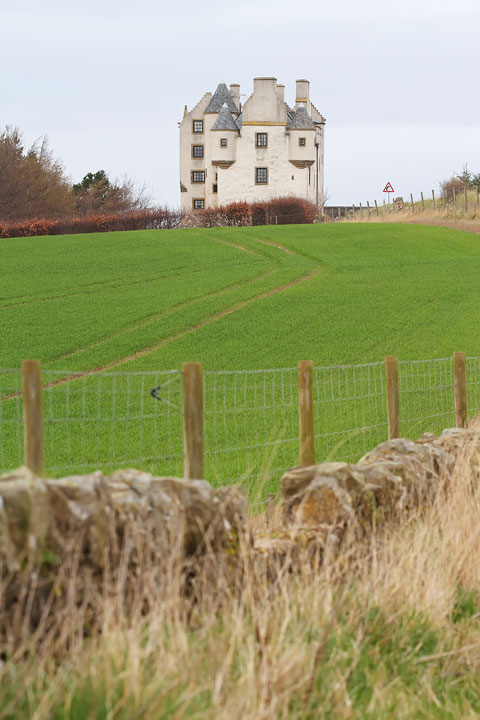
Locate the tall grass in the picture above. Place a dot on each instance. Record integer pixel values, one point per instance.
(387, 627)
(445, 212)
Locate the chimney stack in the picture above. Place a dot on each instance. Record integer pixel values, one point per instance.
(235, 93)
(303, 94)
(281, 92)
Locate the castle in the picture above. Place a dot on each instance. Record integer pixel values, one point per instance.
(255, 152)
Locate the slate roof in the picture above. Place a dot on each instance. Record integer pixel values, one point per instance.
(238, 120)
(220, 97)
(299, 120)
(225, 120)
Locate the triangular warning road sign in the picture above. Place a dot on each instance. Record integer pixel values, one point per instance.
(388, 187)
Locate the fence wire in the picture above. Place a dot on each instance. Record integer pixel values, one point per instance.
(102, 420)
(112, 420)
(11, 419)
(251, 425)
(350, 410)
(427, 401)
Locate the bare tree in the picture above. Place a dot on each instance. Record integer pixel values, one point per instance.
(97, 194)
(32, 182)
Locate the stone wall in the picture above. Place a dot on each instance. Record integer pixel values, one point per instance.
(320, 503)
(40, 518)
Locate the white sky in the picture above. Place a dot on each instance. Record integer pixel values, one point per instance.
(107, 80)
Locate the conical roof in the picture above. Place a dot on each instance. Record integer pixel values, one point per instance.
(299, 120)
(225, 120)
(220, 97)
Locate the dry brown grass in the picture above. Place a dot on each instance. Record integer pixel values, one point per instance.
(387, 628)
(457, 218)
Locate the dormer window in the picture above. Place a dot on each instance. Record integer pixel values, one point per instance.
(261, 140)
(198, 126)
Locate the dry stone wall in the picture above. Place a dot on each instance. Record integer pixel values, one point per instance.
(320, 503)
(178, 518)
(174, 517)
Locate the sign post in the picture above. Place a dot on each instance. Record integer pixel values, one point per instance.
(388, 189)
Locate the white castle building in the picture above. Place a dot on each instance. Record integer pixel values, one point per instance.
(265, 149)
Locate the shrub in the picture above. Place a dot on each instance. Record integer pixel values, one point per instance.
(447, 187)
(161, 218)
(281, 211)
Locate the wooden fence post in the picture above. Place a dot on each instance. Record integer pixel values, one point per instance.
(460, 373)
(423, 201)
(305, 406)
(32, 415)
(413, 206)
(466, 200)
(433, 198)
(393, 396)
(192, 421)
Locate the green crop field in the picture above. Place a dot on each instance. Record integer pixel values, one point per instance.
(235, 299)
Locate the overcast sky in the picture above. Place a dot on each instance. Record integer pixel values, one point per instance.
(107, 80)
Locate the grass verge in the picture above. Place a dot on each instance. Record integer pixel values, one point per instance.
(386, 628)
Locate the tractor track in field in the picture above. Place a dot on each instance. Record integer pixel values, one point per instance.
(96, 288)
(172, 338)
(237, 246)
(277, 245)
(166, 313)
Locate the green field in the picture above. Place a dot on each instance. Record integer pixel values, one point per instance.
(234, 299)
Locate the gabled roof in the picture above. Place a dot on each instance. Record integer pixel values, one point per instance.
(299, 120)
(225, 120)
(220, 97)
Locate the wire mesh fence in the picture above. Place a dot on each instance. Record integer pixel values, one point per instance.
(350, 410)
(110, 420)
(102, 420)
(251, 425)
(427, 396)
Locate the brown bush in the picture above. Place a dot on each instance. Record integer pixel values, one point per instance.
(447, 187)
(278, 211)
(162, 218)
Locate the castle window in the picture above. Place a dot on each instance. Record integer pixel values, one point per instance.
(198, 176)
(261, 139)
(261, 176)
(215, 188)
(197, 151)
(198, 126)
(223, 142)
(302, 142)
(199, 204)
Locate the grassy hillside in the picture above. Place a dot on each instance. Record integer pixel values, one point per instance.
(234, 299)
(333, 294)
